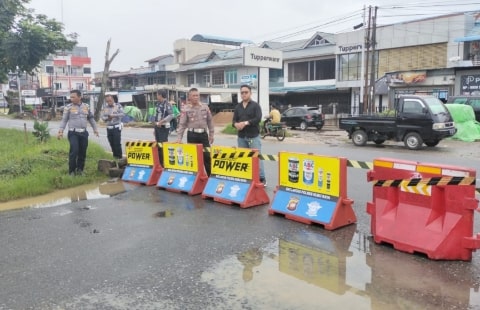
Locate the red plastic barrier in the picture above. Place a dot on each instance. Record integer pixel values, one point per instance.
(436, 220)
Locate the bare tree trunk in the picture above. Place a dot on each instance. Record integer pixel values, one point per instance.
(106, 72)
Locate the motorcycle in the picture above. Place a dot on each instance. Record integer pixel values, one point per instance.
(274, 130)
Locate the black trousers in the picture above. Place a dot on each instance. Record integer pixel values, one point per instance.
(114, 136)
(78, 151)
(161, 135)
(201, 138)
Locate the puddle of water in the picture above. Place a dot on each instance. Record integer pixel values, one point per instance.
(80, 193)
(313, 270)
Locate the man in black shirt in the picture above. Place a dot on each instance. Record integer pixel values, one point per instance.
(246, 119)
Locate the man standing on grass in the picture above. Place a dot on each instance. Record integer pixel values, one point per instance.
(77, 114)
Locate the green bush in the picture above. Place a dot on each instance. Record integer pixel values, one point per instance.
(41, 131)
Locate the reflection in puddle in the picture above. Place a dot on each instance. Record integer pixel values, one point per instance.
(80, 193)
(338, 270)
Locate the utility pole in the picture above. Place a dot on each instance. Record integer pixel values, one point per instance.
(373, 64)
(367, 56)
(362, 70)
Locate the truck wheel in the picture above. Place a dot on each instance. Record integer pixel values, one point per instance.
(303, 126)
(432, 143)
(379, 141)
(359, 137)
(319, 127)
(413, 141)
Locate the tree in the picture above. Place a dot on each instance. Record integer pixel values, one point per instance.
(106, 71)
(26, 38)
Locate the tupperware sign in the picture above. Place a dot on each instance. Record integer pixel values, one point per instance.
(139, 155)
(262, 57)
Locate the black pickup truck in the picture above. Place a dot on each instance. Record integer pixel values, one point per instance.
(416, 120)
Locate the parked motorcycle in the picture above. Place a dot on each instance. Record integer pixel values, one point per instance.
(274, 130)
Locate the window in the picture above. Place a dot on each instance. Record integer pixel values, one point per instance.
(314, 70)
(231, 76)
(325, 69)
(87, 70)
(412, 106)
(475, 103)
(58, 86)
(78, 85)
(206, 77)
(218, 77)
(350, 66)
(49, 69)
(190, 79)
(298, 71)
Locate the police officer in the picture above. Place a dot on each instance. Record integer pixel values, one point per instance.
(163, 116)
(197, 120)
(112, 114)
(77, 114)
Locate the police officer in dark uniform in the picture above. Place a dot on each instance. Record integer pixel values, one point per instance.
(163, 116)
(112, 114)
(198, 122)
(77, 114)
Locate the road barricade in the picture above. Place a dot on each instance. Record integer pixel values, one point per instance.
(313, 189)
(424, 208)
(235, 177)
(143, 164)
(183, 168)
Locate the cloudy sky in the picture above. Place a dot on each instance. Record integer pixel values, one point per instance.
(144, 29)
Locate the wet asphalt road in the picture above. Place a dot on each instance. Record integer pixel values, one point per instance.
(146, 248)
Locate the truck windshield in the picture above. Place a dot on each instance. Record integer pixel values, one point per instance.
(435, 105)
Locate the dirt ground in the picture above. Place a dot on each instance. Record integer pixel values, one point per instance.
(222, 118)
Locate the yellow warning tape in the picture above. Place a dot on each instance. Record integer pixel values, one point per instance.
(435, 181)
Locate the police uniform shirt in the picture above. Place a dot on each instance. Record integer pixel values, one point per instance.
(164, 112)
(116, 111)
(196, 117)
(77, 117)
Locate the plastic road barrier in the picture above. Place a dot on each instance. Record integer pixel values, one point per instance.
(184, 170)
(424, 208)
(235, 177)
(313, 189)
(143, 165)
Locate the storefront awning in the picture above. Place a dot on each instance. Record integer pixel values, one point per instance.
(300, 89)
(472, 35)
(468, 39)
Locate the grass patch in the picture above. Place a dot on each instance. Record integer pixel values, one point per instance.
(229, 130)
(33, 168)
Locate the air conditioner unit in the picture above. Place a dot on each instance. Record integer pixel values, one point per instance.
(225, 85)
(208, 84)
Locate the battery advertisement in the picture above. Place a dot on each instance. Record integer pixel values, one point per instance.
(141, 162)
(233, 172)
(180, 156)
(232, 162)
(140, 153)
(181, 163)
(309, 187)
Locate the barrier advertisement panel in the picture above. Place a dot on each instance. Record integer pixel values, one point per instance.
(235, 177)
(142, 160)
(183, 163)
(310, 189)
(232, 171)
